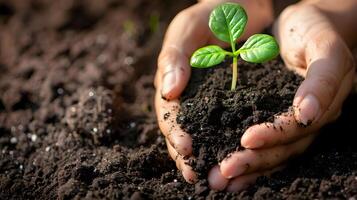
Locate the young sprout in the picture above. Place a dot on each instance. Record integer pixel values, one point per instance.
(227, 22)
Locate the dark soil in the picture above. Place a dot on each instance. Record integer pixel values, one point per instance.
(77, 119)
(217, 117)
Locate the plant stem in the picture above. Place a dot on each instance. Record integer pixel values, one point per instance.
(235, 73)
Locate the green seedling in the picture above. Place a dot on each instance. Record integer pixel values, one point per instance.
(227, 22)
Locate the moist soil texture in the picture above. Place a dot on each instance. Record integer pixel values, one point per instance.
(217, 117)
(77, 118)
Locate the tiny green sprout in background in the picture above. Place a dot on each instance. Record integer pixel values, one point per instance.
(227, 22)
(154, 22)
(129, 27)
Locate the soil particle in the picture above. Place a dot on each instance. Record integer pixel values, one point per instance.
(166, 115)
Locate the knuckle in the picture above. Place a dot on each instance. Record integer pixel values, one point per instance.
(165, 64)
(297, 9)
(169, 57)
(164, 59)
(293, 58)
(322, 41)
(186, 15)
(328, 85)
(288, 11)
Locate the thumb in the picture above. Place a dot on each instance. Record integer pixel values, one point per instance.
(173, 72)
(187, 32)
(328, 63)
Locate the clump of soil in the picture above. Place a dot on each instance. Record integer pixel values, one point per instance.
(77, 118)
(217, 117)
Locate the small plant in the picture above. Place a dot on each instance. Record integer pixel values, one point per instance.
(227, 22)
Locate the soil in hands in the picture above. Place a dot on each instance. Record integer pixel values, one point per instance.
(217, 117)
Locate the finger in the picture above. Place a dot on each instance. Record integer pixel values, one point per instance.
(249, 161)
(216, 180)
(243, 182)
(187, 32)
(328, 61)
(175, 72)
(166, 113)
(186, 170)
(285, 128)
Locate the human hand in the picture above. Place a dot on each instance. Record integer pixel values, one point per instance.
(310, 45)
(187, 32)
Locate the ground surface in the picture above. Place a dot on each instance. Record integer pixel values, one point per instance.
(76, 111)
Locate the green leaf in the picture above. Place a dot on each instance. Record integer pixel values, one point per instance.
(228, 21)
(207, 56)
(259, 48)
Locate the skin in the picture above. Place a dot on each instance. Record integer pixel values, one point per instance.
(312, 36)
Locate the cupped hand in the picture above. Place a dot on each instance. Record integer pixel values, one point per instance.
(187, 32)
(311, 45)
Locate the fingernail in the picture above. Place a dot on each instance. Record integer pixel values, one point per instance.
(168, 82)
(308, 110)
